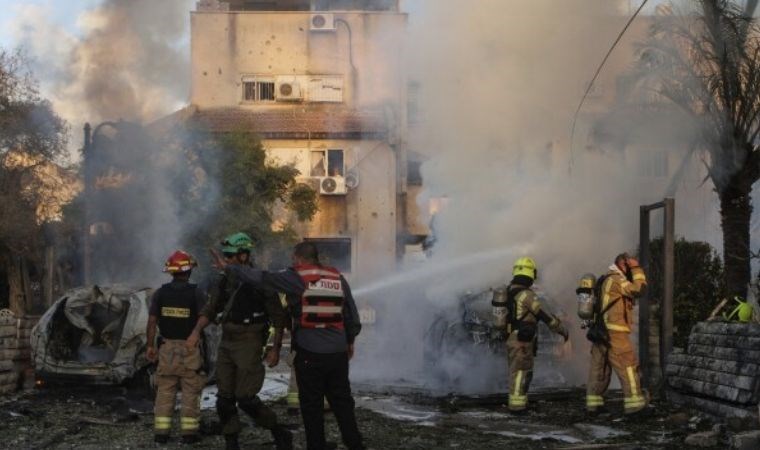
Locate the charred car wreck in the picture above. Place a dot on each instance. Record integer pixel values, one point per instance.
(457, 341)
(97, 335)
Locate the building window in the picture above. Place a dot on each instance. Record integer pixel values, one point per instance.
(327, 163)
(334, 252)
(258, 89)
(326, 89)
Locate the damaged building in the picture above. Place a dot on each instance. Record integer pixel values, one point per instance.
(323, 84)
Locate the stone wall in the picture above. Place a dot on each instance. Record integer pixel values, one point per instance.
(15, 362)
(719, 371)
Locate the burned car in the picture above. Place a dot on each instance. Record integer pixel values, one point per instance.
(96, 335)
(459, 341)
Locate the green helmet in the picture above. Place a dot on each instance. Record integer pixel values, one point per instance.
(237, 243)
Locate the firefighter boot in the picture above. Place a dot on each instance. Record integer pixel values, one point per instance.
(283, 438)
(161, 438)
(231, 442)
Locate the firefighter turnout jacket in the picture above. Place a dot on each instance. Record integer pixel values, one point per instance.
(617, 352)
(617, 297)
(176, 306)
(524, 310)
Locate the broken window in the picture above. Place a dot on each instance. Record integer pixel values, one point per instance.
(258, 90)
(335, 166)
(334, 252)
(317, 164)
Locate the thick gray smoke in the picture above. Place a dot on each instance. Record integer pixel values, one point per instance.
(126, 60)
(129, 60)
(500, 82)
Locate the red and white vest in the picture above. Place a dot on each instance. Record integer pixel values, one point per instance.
(322, 301)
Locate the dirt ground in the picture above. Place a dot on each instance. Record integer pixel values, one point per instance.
(117, 418)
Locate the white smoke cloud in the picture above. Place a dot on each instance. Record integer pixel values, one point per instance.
(500, 83)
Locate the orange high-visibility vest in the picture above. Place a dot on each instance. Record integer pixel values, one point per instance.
(322, 300)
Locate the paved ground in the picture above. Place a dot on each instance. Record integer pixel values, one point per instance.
(90, 418)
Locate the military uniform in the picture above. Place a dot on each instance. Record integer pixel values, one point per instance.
(176, 306)
(616, 296)
(524, 312)
(325, 324)
(245, 313)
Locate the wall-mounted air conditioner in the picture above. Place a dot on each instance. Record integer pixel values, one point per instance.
(332, 186)
(322, 22)
(288, 89)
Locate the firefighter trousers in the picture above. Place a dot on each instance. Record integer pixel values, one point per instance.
(239, 377)
(620, 357)
(520, 359)
(178, 367)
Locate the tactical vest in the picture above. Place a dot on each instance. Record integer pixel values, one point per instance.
(177, 310)
(322, 300)
(247, 303)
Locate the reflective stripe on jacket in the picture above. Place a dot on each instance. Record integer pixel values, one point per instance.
(322, 300)
(618, 289)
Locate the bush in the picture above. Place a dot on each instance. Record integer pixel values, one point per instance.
(698, 283)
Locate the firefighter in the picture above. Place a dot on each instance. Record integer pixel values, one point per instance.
(610, 335)
(524, 310)
(174, 310)
(245, 312)
(325, 324)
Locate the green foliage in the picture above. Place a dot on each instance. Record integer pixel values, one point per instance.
(31, 135)
(698, 286)
(245, 192)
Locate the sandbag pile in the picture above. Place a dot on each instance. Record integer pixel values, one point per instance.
(15, 350)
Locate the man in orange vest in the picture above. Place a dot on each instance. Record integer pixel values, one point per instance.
(325, 324)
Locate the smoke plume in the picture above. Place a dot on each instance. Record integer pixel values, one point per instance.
(500, 82)
(130, 61)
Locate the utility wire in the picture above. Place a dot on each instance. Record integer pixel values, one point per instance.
(596, 75)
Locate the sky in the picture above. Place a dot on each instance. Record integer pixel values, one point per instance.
(62, 12)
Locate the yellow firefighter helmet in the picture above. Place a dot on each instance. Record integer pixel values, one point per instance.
(525, 266)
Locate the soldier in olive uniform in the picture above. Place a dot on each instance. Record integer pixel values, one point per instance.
(245, 312)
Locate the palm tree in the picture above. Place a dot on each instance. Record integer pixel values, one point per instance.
(703, 68)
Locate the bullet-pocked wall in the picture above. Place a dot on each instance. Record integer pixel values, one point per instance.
(327, 91)
(364, 48)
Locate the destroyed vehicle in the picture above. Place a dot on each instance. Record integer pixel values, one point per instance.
(96, 335)
(457, 341)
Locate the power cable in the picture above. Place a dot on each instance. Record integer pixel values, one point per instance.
(596, 75)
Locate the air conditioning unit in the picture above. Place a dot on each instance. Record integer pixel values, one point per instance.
(288, 90)
(352, 179)
(322, 22)
(332, 186)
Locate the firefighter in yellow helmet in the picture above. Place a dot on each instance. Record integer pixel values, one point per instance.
(610, 334)
(524, 311)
